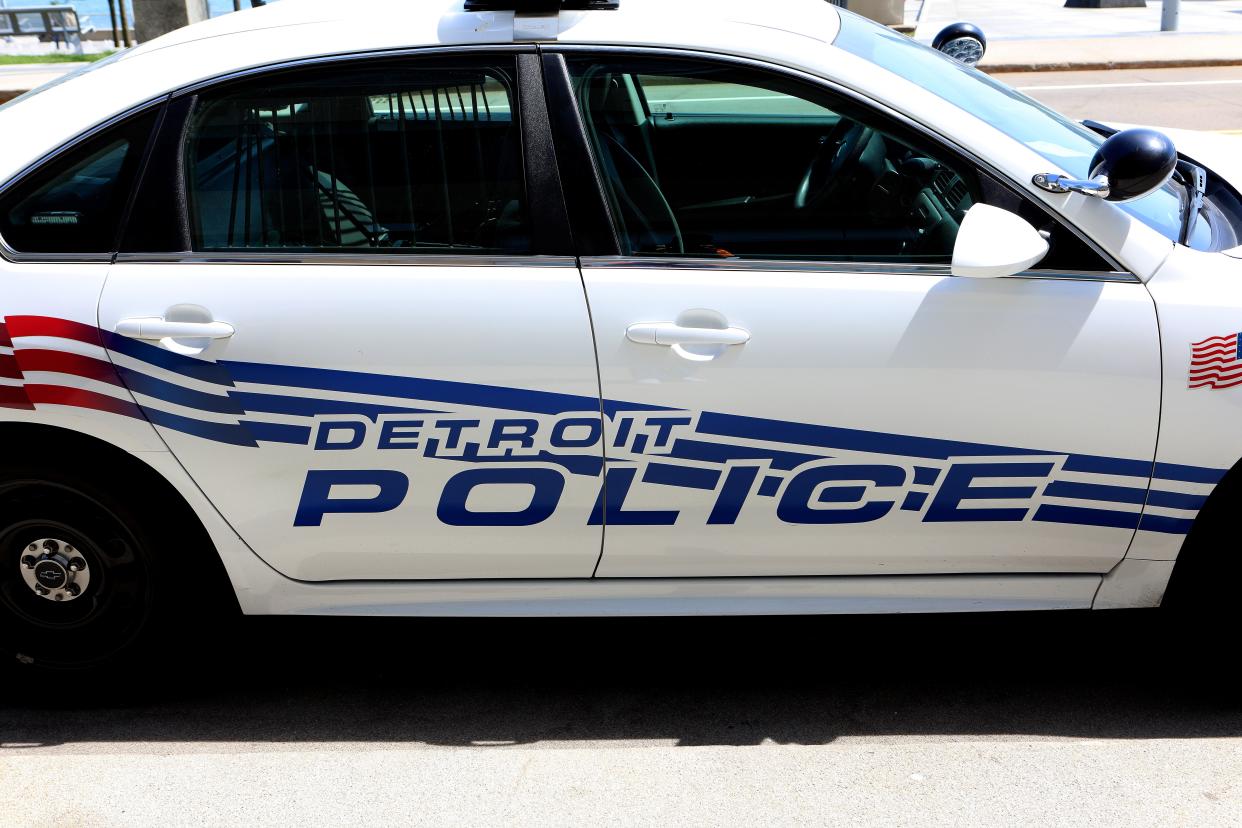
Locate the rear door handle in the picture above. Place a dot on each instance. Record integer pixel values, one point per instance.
(670, 333)
(155, 327)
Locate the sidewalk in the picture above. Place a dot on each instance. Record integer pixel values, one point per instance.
(1150, 51)
(14, 80)
(1043, 35)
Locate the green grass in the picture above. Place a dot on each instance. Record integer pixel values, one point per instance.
(12, 60)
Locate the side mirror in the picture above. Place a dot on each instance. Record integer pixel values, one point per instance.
(964, 42)
(994, 242)
(1129, 165)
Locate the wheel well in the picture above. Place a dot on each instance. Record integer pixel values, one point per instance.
(117, 471)
(1208, 568)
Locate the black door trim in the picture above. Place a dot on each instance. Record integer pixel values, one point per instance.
(593, 227)
(549, 218)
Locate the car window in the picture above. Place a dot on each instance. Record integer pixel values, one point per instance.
(673, 96)
(387, 157)
(74, 203)
(713, 160)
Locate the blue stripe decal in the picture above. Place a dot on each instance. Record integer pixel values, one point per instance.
(1176, 500)
(1095, 491)
(1188, 474)
(1108, 465)
(186, 366)
(1168, 525)
(686, 477)
(413, 388)
(712, 426)
(1086, 517)
(1124, 494)
(684, 449)
(278, 432)
(311, 407)
(231, 433)
(590, 465)
(151, 386)
(832, 437)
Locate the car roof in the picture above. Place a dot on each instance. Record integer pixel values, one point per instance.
(445, 22)
(292, 30)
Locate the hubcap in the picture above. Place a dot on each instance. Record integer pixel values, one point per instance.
(55, 570)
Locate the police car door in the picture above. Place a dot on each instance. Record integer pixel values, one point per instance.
(828, 399)
(350, 329)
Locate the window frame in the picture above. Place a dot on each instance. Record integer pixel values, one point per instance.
(45, 162)
(165, 181)
(607, 252)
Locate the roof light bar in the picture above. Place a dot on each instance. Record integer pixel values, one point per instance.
(546, 6)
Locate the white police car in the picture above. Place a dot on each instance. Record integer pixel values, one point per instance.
(405, 308)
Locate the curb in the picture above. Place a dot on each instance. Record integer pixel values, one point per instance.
(1090, 66)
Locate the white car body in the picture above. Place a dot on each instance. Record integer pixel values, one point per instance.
(1029, 442)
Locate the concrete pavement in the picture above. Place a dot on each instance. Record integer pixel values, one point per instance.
(983, 720)
(1202, 98)
(1148, 51)
(962, 783)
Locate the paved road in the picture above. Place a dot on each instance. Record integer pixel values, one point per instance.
(982, 720)
(1205, 98)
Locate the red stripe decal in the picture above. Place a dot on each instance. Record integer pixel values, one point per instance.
(5, 342)
(63, 362)
(1216, 339)
(1210, 360)
(9, 368)
(1231, 365)
(1215, 384)
(80, 398)
(1216, 379)
(51, 326)
(14, 396)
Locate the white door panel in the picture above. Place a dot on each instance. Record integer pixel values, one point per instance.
(380, 422)
(874, 422)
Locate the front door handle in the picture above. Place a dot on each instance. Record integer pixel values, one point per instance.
(670, 333)
(155, 327)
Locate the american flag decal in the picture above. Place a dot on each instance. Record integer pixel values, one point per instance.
(1214, 362)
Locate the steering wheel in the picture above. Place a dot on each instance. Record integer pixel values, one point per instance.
(839, 152)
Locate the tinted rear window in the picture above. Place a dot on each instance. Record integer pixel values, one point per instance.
(74, 203)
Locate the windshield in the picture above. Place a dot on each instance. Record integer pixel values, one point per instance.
(1061, 141)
